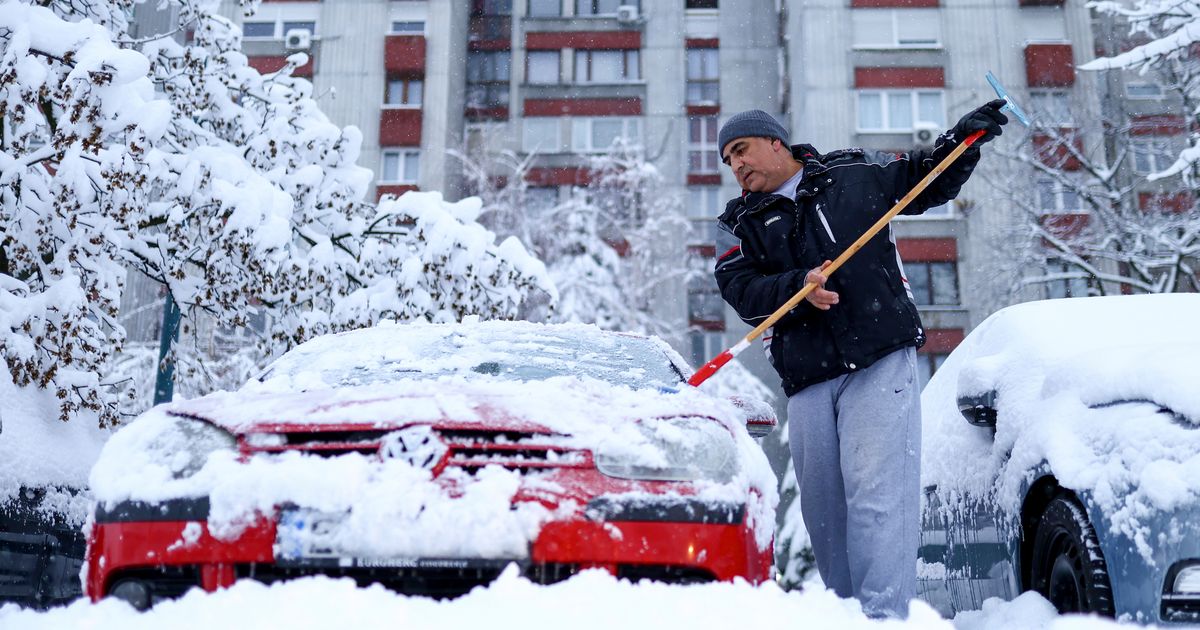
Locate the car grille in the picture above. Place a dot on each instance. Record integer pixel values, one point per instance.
(469, 450)
(1180, 608)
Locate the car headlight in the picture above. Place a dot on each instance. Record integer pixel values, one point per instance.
(185, 444)
(681, 449)
(1187, 581)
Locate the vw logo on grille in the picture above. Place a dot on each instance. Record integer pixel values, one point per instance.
(418, 445)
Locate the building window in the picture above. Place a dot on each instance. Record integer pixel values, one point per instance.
(601, 7)
(541, 67)
(704, 206)
(1056, 198)
(487, 78)
(700, 4)
(1074, 282)
(1043, 24)
(541, 135)
(1151, 155)
(408, 28)
(1143, 91)
(400, 166)
(703, 84)
(927, 364)
(545, 8)
(491, 7)
(899, 110)
(405, 92)
(593, 135)
(933, 283)
(1052, 107)
(540, 200)
(706, 309)
(705, 345)
(607, 66)
(257, 30)
(896, 28)
(702, 145)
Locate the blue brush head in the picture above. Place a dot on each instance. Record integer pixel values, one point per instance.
(1010, 105)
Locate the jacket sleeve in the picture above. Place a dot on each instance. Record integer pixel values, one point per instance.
(904, 173)
(754, 295)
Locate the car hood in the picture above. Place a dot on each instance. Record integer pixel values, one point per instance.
(566, 406)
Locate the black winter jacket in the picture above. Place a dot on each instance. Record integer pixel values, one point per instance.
(767, 244)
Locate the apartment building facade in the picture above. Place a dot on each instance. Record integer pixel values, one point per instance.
(563, 78)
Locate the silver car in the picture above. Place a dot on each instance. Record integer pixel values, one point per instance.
(1061, 454)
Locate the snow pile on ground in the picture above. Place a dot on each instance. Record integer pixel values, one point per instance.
(166, 454)
(1057, 367)
(590, 600)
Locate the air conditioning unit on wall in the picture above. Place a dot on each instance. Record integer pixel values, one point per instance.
(627, 13)
(924, 134)
(297, 39)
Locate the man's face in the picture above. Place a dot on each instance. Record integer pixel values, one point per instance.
(759, 164)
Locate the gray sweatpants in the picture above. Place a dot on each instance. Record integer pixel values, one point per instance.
(856, 444)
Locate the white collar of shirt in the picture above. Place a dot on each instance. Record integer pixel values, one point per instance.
(788, 189)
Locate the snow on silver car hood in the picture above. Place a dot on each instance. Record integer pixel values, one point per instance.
(1057, 367)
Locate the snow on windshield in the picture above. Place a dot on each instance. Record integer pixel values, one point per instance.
(634, 427)
(1083, 384)
(507, 350)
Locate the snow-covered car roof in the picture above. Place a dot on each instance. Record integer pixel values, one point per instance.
(1103, 390)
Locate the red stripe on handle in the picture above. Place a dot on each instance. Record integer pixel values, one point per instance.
(710, 368)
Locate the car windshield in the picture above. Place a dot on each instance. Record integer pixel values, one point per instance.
(520, 353)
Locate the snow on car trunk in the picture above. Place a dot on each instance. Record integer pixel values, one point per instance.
(403, 376)
(1069, 375)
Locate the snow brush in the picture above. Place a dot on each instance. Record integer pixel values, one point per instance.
(710, 368)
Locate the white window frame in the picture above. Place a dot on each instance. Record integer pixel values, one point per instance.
(589, 13)
(582, 133)
(885, 96)
(279, 13)
(710, 342)
(899, 18)
(546, 54)
(400, 154)
(1041, 25)
(1037, 100)
(529, 10)
(708, 64)
(392, 27)
(539, 144)
(706, 147)
(1148, 151)
(1058, 194)
(1144, 97)
(387, 90)
(587, 58)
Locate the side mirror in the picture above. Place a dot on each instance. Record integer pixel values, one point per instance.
(979, 409)
(759, 416)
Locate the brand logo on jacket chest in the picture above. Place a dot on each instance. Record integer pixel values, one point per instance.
(771, 220)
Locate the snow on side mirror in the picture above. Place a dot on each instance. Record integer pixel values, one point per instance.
(979, 409)
(759, 416)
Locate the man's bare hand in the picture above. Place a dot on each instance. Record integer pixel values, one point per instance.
(820, 297)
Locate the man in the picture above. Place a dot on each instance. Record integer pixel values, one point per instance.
(847, 356)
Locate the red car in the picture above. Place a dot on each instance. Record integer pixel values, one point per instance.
(429, 457)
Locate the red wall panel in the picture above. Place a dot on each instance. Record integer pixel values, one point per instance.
(590, 40)
(583, 107)
(899, 77)
(400, 127)
(404, 55)
(1049, 65)
(928, 249)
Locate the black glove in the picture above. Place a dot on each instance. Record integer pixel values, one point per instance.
(988, 118)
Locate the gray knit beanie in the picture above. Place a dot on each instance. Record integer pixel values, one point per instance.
(753, 123)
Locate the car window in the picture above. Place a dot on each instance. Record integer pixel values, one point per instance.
(481, 353)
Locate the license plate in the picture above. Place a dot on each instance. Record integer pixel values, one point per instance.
(306, 535)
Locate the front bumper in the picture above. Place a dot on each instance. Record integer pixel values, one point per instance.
(168, 549)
